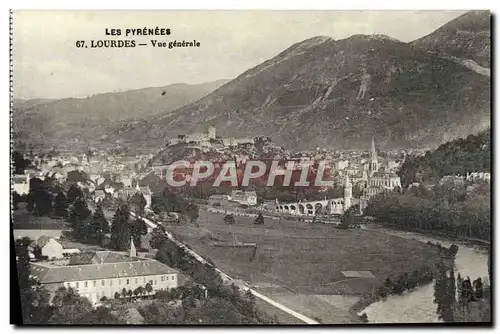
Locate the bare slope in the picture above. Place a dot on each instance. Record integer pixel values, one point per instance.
(323, 92)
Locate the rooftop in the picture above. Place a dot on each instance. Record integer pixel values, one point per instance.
(47, 272)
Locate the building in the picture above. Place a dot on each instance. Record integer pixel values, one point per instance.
(99, 196)
(50, 247)
(378, 180)
(127, 193)
(212, 133)
(244, 197)
(103, 274)
(21, 184)
(341, 165)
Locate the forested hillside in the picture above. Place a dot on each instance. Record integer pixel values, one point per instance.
(457, 157)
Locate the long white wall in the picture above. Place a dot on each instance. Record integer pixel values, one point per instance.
(94, 290)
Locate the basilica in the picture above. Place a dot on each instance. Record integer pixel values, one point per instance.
(378, 180)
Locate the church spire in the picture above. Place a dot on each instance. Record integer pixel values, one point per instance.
(373, 166)
(132, 252)
(373, 152)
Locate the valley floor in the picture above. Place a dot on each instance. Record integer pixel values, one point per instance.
(300, 264)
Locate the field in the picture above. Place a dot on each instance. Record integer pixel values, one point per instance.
(23, 219)
(301, 260)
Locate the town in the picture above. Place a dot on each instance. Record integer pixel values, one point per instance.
(257, 174)
(89, 253)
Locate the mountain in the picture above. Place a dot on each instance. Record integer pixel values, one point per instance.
(59, 122)
(466, 37)
(337, 93)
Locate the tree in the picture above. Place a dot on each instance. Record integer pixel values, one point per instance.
(260, 219)
(100, 316)
(79, 218)
(443, 293)
(167, 201)
(98, 227)
(120, 228)
(16, 198)
(191, 211)
(138, 203)
(229, 219)
(42, 202)
(136, 292)
(349, 217)
(138, 228)
(478, 289)
(170, 254)
(77, 176)
(61, 205)
(157, 237)
(149, 288)
(129, 294)
(117, 295)
(459, 286)
(69, 306)
(35, 306)
(20, 164)
(124, 293)
(467, 293)
(74, 192)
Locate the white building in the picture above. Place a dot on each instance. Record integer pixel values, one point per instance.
(341, 165)
(21, 184)
(244, 197)
(104, 274)
(50, 247)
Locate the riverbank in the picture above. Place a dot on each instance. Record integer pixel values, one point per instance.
(465, 240)
(417, 305)
(407, 282)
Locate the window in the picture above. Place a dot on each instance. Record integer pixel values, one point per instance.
(119, 282)
(86, 284)
(151, 281)
(154, 282)
(173, 277)
(69, 284)
(128, 282)
(110, 282)
(136, 280)
(163, 278)
(77, 285)
(167, 278)
(103, 283)
(93, 283)
(144, 280)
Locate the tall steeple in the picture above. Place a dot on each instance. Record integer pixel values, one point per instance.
(373, 152)
(132, 252)
(373, 159)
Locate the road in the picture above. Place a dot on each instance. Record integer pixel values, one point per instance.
(226, 278)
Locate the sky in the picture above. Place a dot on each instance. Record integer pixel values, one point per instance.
(47, 63)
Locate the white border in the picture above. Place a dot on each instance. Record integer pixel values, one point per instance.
(185, 4)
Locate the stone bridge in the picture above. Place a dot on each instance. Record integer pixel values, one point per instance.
(311, 208)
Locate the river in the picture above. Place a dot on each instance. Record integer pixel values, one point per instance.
(417, 305)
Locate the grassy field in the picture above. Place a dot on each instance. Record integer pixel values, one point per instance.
(23, 219)
(304, 258)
